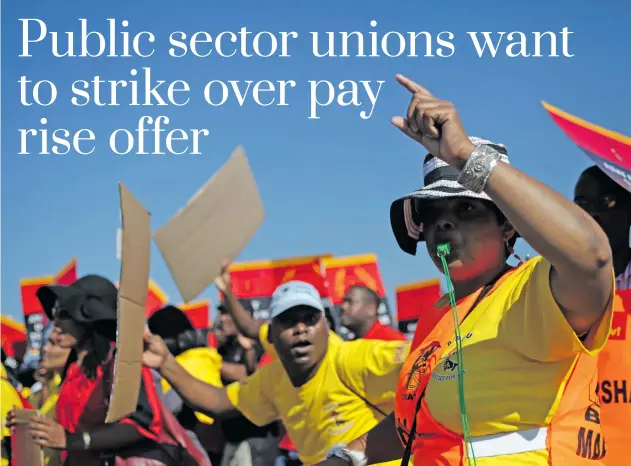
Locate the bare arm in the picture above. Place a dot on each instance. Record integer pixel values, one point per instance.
(200, 396)
(244, 320)
(380, 444)
(251, 360)
(231, 372)
(575, 245)
(577, 248)
(252, 353)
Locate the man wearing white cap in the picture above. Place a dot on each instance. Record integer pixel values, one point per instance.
(326, 394)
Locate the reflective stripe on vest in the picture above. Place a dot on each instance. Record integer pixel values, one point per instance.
(510, 443)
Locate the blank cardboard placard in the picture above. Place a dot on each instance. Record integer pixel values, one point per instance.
(216, 224)
(132, 294)
(24, 451)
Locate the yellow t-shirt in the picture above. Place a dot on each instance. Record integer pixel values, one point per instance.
(517, 350)
(8, 399)
(269, 347)
(36, 397)
(325, 412)
(204, 364)
(46, 407)
(51, 456)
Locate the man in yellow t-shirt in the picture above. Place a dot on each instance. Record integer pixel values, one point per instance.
(326, 392)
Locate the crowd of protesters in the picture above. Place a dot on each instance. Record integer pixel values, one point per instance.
(530, 377)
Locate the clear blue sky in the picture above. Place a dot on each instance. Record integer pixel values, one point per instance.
(326, 184)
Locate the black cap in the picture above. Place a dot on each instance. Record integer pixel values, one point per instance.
(169, 322)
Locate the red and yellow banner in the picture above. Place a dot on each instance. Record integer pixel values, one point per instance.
(414, 299)
(343, 272)
(258, 279)
(198, 313)
(11, 333)
(68, 274)
(29, 287)
(156, 298)
(28, 290)
(253, 283)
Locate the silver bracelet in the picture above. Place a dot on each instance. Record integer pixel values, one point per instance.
(352, 457)
(476, 172)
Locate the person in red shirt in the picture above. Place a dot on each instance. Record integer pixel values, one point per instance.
(359, 315)
(84, 314)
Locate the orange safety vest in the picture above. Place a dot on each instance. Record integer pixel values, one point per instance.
(573, 437)
(614, 383)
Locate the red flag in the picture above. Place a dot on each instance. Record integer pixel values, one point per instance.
(415, 302)
(414, 299)
(68, 274)
(198, 313)
(11, 333)
(344, 272)
(156, 298)
(260, 278)
(28, 288)
(254, 282)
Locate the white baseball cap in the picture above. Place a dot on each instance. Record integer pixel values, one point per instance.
(292, 294)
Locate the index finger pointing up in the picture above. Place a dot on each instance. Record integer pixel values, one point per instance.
(412, 86)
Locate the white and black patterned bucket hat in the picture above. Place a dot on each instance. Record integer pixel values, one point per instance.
(441, 182)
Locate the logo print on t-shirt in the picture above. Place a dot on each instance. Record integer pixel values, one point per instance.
(448, 370)
(449, 365)
(419, 368)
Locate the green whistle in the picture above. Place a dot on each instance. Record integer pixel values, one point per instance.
(443, 250)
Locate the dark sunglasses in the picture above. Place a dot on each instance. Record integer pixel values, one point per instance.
(427, 213)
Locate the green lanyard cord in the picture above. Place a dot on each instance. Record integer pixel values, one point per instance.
(442, 251)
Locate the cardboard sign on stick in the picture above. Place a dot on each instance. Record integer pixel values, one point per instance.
(24, 451)
(132, 295)
(216, 224)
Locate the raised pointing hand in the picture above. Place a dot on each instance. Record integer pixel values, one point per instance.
(435, 124)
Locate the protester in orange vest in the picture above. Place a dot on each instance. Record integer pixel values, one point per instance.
(359, 315)
(610, 205)
(516, 383)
